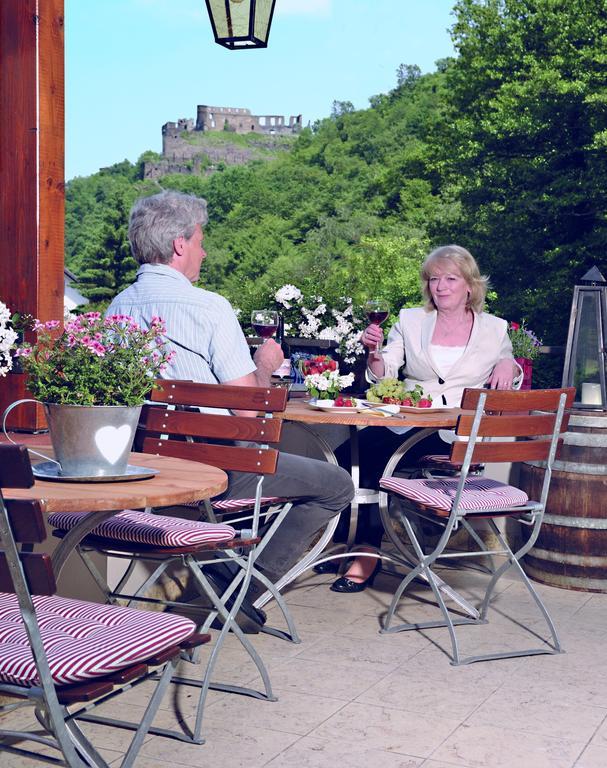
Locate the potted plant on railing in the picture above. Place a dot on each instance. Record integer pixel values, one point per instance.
(525, 349)
(92, 379)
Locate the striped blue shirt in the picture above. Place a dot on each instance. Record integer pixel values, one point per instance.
(201, 326)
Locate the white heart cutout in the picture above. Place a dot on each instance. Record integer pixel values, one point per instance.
(111, 441)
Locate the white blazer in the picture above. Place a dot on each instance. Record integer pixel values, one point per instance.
(408, 345)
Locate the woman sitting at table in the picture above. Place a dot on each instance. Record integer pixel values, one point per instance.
(445, 346)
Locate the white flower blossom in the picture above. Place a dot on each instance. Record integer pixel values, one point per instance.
(329, 333)
(7, 339)
(286, 294)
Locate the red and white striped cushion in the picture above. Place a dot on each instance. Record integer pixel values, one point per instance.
(479, 493)
(235, 505)
(443, 460)
(83, 640)
(155, 530)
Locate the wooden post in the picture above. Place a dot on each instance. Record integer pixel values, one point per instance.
(32, 188)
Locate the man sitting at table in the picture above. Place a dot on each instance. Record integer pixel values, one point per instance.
(165, 233)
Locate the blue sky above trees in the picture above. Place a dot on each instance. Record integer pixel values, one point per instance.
(132, 65)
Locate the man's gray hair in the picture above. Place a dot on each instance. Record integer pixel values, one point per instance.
(158, 220)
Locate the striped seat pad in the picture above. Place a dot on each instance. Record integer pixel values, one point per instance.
(443, 460)
(83, 640)
(146, 528)
(235, 505)
(480, 493)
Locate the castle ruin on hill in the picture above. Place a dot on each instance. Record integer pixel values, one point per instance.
(184, 154)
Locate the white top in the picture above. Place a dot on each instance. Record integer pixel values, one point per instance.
(446, 357)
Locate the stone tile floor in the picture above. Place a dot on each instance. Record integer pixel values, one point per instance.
(349, 696)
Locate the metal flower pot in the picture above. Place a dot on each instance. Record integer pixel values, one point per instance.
(90, 441)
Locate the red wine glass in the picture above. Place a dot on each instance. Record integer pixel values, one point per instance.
(264, 322)
(377, 311)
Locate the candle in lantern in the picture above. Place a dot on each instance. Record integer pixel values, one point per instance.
(591, 394)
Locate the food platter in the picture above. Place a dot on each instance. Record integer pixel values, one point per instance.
(432, 409)
(329, 405)
(362, 406)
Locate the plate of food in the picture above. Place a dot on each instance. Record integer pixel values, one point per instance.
(391, 392)
(341, 403)
(427, 408)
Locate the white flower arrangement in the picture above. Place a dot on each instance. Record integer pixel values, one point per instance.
(8, 337)
(312, 318)
(328, 384)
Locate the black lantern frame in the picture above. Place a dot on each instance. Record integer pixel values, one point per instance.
(240, 24)
(586, 354)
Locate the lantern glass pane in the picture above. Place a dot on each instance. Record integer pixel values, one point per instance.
(263, 12)
(586, 355)
(239, 13)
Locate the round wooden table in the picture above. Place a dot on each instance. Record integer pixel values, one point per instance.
(178, 481)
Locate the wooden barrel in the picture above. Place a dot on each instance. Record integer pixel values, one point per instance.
(571, 549)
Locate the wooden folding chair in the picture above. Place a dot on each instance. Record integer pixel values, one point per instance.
(226, 441)
(504, 427)
(65, 656)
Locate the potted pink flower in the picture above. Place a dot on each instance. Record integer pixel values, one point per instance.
(525, 349)
(92, 378)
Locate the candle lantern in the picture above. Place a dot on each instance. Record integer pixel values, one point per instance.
(585, 354)
(241, 23)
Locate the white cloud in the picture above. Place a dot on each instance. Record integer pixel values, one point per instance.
(303, 7)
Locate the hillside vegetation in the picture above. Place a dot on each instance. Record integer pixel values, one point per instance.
(501, 149)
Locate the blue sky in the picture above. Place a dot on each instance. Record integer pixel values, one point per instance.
(132, 65)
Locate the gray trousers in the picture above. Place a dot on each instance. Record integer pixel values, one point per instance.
(318, 491)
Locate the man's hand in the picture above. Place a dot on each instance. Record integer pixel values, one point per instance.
(267, 358)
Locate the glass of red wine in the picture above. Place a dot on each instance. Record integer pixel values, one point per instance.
(377, 311)
(264, 322)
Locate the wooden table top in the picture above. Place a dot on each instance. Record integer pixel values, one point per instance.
(298, 410)
(178, 481)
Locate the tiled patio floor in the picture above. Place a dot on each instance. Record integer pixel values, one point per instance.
(350, 697)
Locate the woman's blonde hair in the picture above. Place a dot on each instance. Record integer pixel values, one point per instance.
(465, 262)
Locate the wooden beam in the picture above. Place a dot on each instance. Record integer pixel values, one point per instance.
(32, 187)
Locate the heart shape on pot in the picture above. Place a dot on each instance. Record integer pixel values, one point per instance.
(112, 441)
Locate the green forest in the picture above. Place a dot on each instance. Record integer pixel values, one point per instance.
(501, 149)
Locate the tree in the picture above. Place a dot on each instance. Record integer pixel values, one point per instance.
(407, 75)
(523, 143)
(340, 108)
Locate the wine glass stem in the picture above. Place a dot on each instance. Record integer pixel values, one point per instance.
(379, 344)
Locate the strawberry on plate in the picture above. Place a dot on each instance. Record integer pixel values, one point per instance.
(344, 402)
(424, 402)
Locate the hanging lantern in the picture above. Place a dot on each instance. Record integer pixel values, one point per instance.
(585, 354)
(241, 23)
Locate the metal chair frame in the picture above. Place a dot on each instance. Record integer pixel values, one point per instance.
(162, 431)
(497, 414)
(50, 700)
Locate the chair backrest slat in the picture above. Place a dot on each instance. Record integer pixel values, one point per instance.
(266, 399)
(158, 420)
(513, 426)
(511, 400)
(485, 453)
(38, 570)
(26, 520)
(15, 467)
(226, 457)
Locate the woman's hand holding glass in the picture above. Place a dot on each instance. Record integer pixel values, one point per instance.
(372, 338)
